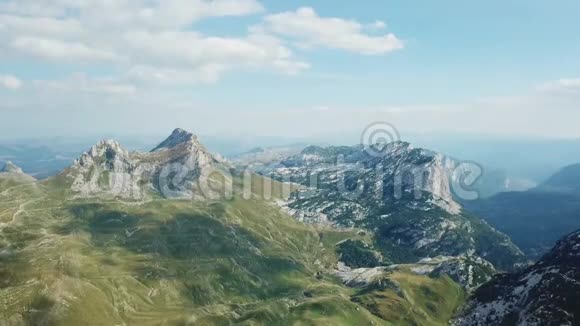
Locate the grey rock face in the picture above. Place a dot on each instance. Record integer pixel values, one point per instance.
(400, 168)
(170, 170)
(469, 271)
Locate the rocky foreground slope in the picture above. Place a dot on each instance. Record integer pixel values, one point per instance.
(547, 293)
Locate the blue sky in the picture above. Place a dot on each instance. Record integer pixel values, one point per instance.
(289, 67)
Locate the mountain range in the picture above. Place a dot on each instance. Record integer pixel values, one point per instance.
(323, 236)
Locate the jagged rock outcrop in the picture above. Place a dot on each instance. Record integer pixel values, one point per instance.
(469, 271)
(359, 277)
(547, 293)
(106, 168)
(171, 169)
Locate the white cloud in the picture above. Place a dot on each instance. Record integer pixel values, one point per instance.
(167, 76)
(80, 83)
(562, 86)
(10, 82)
(41, 25)
(142, 40)
(162, 13)
(187, 11)
(311, 30)
(196, 52)
(379, 24)
(416, 109)
(154, 41)
(58, 50)
(31, 7)
(132, 12)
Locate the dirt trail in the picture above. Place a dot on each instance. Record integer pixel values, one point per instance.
(5, 191)
(21, 210)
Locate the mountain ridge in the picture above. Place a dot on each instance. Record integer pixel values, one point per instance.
(565, 180)
(404, 197)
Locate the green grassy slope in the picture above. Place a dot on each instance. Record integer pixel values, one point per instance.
(409, 299)
(171, 262)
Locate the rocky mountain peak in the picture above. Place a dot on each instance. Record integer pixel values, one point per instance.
(107, 145)
(184, 147)
(171, 169)
(104, 151)
(177, 137)
(10, 167)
